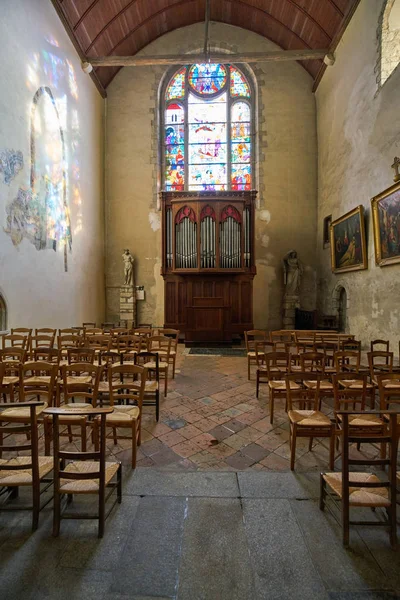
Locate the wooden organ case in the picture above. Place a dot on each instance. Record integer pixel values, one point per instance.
(208, 263)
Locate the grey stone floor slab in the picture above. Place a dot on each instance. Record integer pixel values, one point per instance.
(283, 566)
(278, 485)
(151, 482)
(215, 557)
(150, 559)
(357, 567)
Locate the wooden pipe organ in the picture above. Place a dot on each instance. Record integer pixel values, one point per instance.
(208, 263)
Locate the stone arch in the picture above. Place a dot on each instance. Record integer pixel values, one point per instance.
(340, 304)
(3, 313)
(388, 35)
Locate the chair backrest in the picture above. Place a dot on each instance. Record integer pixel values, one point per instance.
(253, 336)
(29, 430)
(347, 360)
(15, 340)
(143, 331)
(380, 345)
(42, 341)
(60, 457)
(126, 343)
(312, 361)
(145, 326)
(302, 396)
(81, 380)
(260, 349)
(329, 349)
(37, 379)
(21, 331)
(389, 389)
(46, 331)
(274, 360)
(89, 331)
(107, 327)
(351, 394)
(90, 324)
(12, 354)
(69, 331)
(160, 342)
(146, 356)
(351, 345)
(173, 334)
(379, 359)
(80, 355)
(69, 341)
(99, 342)
(51, 355)
(132, 379)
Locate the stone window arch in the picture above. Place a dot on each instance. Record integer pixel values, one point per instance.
(3, 314)
(388, 40)
(207, 128)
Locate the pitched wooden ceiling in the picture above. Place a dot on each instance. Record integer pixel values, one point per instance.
(123, 27)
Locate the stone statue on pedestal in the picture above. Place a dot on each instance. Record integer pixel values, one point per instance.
(128, 267)
(292, 273)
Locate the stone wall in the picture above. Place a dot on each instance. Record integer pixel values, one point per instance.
(286, 175)
(358, 136)
(51, 174)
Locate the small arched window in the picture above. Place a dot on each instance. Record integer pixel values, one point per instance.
(207, 129)
(389, 36)
(3, 314)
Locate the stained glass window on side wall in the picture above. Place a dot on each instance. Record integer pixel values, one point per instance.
(176, 87)
(239, 85)
(207, 78)
(174, 147)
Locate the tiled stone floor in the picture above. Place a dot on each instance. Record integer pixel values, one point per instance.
(212, 420)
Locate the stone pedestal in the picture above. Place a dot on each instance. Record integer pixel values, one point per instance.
(127, 304)
(290, 303)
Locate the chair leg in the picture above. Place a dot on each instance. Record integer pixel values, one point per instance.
(271, 407)
(119, 484)
(115, 438)
(70, 439)
(102, 511)
(332, 449)
(96, 440)
(35, 505)
(166, 383)
(310, 444)
(345, 523)
(134, 443)
(47, 435)
(248, 368)
(173, 366)
(257, 381)
(322, 492)
(56, 513)
(157, 405)
(293, 447)
(83, 435)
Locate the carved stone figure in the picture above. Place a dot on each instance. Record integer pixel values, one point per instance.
(128, 267)
(292, 272)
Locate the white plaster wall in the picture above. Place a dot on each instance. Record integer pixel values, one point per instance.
(287, 166)
(37, 290)
(358, 136)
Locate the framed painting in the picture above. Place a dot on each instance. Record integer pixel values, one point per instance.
(348, 247)
(386, 220)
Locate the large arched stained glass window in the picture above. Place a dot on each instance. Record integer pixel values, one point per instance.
(207, 129)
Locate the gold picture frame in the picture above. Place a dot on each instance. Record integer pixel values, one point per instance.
(386, 221)
(348, 245)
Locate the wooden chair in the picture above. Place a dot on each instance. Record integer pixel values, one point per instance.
(126, 388)
(329, 350)
(91, 331)
(260, 350)
(278, 366)
(12, 359)
(389, 393)
(350, 345)
(51, 355)
(46, 331)
(23, 471)
(380, 361)
(81, 473)
(349, 361)
(307, 420)
(68, 341)
(80, 355)
(130, 344)
(360, 489)
(70, 331)
(312, 361)
(80, 381)
(107, 327)
(380, 346)
(251, 337)
(145, 326)
(162, 346)
(174, 335)
(89, 324)
(15, 341)
(41, 341)
(145, 332)
(152, 385)
(26, 331)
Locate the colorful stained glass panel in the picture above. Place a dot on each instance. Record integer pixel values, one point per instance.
(206, 111)
(207, 78)
(240, 112)
(174, 178)
(207, 153)
(175, 113)
(174, 134)
(239, 85)
(241, 152)
(176, 87)
(207, 177)
(174, 155)
(240, 132)
(207, 133)
(241, 177)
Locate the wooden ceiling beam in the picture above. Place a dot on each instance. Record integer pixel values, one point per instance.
(182, 59)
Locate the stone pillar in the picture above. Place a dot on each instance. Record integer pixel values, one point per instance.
(127, 304)
(290, 303)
